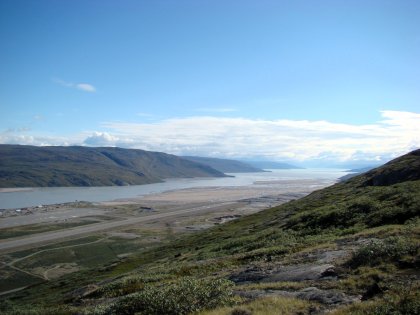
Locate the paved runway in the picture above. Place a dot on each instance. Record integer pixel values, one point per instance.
(43, 238)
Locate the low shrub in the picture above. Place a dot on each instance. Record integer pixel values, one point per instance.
(406, 307)
(378, 251)
(126, 286)
(12, 308)
(401, 300)
(185, 296)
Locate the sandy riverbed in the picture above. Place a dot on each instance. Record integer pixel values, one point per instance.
(11, 190)
(219, 194)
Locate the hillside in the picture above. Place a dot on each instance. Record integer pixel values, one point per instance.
(224, 165)
(351, 248)
(272, 165)
(30, 166)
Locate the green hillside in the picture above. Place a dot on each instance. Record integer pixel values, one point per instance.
(351, 248)
(30, 166)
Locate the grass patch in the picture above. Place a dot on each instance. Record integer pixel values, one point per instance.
(12, 279)
(287, 285)
(267, 306)
(40, 228)
(88, 256)
(78, 241)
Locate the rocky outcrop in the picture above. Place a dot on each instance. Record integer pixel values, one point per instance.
(284, 273)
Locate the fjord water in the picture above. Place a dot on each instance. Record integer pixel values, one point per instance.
(52, 195)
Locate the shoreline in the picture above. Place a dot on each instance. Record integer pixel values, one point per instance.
(237, 193)
(25, 197)
(12, 190)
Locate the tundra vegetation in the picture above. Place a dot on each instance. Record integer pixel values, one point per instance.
(351, 248)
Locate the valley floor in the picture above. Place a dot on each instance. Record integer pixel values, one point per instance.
(346, 249)
(42, 243)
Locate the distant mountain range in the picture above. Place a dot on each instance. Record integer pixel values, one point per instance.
(225, 165)
(272, 165)
(355, 172)
(31, 166)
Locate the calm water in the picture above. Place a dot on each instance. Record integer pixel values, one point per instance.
(52, 195)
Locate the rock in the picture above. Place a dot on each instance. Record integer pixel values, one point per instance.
(373, 290)
(299, 273)
(252, 274)
(330, 256)
(81, 292)
(284, 273)
(329, 274)
(252, 294)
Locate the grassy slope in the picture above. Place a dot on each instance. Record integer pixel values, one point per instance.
(374, 214)
(341, 209)
(29, 166)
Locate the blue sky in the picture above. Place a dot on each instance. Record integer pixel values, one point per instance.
(282, 80)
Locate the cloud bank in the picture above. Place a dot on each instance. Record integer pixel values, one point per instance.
(291, 140)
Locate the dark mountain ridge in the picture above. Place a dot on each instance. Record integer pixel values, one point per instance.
(272, 165)
(224, 165)
(404, 168)
(31, 166)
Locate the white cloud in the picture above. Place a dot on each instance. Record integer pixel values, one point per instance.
(85, 87)
(101, 139)
(38, 140)
(79, 86)
(395, 134)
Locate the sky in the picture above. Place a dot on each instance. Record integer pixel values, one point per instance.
(306, 81)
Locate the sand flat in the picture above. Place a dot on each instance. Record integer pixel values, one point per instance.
(12, 190)
(236, 193)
